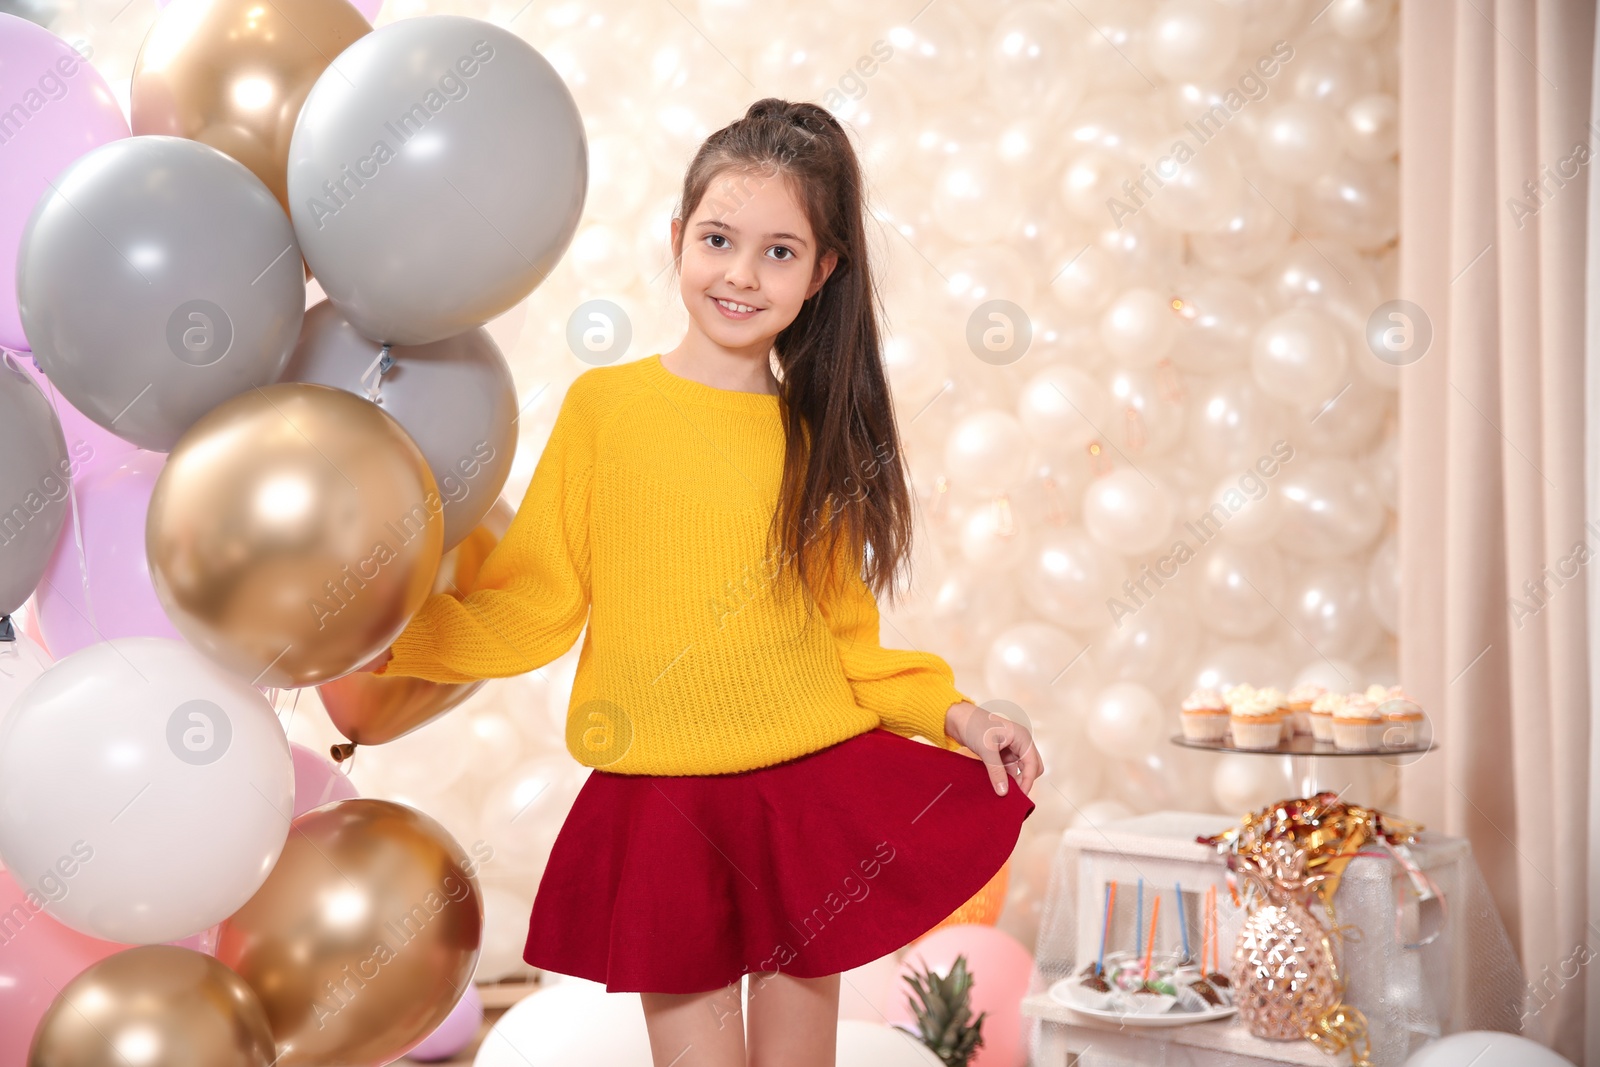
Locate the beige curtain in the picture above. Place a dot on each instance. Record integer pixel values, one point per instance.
(1494, 96)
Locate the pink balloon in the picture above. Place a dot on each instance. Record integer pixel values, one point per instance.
(38, 955)
(121, 601)
(455, 1033)
(317, 781)
(205, 941)
(90, 446)
(1000, 967)
(67, 109)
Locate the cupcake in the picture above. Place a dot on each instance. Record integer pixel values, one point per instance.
(1300, 699)
(1357, 726)
(1257, 723)
(1322, 712)
(1404, 725)
(1205, 716)
(1274, 697)
(1237, 694)
(1377, 693)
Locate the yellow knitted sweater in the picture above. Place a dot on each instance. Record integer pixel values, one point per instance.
(647, 517)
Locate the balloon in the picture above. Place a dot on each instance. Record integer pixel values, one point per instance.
(1358, 202)
(573, 1023)
(1128, 513)
(1484, 1046)
(975, 195)
(1101, 813)
(233, 74)
(1217, 323)
(1068, 578)
(371, 709)
(936, 53)
(369, 8)
(455, 397)
(82, 114)
(1231, 424)
(149, 733)
(1333, 71)
(291, 535)
(1062, 405)
(1244, 783)
(34, 483)
(1328, 275)
(988, 453)
(1298, 140)
(968, 609)
(120, 601)
(137, 340)
(1237, 587)
(415, 246)
(1347, 423)
(37, 957)
(1254, 232)
(505, 933)
(91, 446)
(316, 781)
(1000, 968)
(1026, 661)
(455, 1033)
(1092, 177)
(1300, 356)
(1326, 604)
(1199, 194)
(1337, 676)
(1149, 643)
(330, 908)
(1127, 721)
(1087, 282)
(1192, 39)
(1224, 665)
(1372, 128)
(864, 989)
(1149, 409)
(525, 808)
(918, 367)
(992, 538)
(1330, 508)
(1031, 61)
(865, 1042)
(154, 1004)
(1139, 328)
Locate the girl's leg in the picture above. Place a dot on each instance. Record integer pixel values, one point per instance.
(794, 1022)
(695, 1029)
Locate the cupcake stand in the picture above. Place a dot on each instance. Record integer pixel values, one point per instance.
(1304, 752)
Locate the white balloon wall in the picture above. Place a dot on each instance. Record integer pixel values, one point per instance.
(1186, 478)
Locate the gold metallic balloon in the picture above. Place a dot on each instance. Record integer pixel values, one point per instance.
(233, 73)
(371, 709)
(293, 532)
(364, 936)
(154, 1004)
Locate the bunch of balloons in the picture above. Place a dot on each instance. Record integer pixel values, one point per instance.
(211, 492)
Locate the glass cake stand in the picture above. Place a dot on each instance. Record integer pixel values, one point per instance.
(1303, 753)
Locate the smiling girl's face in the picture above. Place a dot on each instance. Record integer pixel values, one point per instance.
(749, 261)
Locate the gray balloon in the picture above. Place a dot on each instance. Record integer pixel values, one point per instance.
(35, 477)
(157, 278)
(436, 175)
(455, 397)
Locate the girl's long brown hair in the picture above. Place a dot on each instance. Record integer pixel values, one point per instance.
(843, 475)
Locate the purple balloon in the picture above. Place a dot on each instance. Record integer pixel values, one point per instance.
(317, 781)
(61, 108)
(120, 602)
(455, 1033)
(90, 446)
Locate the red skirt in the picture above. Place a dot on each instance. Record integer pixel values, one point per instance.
(681, 884)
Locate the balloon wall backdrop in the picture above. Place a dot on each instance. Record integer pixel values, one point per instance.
(1128, 251)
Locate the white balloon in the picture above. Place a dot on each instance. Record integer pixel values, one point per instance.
(1200, 194)
(1032, 61)
(1247, 783)
(1329, 275)
(1147, 417)
(1326, 605)
(1088, 281)
(1359, 202)
(863, 1043)
(1330, 509)
(993, 538)
(1334, 71)
(145, 792)
(1126, 721)
(1359, 20)
(572, 1023)
(1189, 39)
(1064, 406)
(1101, 813)
(1217, 324)
(1153, 643)
(975, 195)
(1067, 578)
(1383, 584)
(1224, 665)
(1231, 423)
(1300, 356)
(21, 661)
(1485, 1046)
(1372, 127)
(525, 807)
(1251, 510)
(918, 365)
(1237, 587)
(1139, 327)
(1298, 140)
(1255, 231)
(1347, 423)
(988, 453)
(969, 608)
(935, 52)
(1031, 663)
(1112, 43)
(1128, 513)
(1092, 177)
(1334, 675)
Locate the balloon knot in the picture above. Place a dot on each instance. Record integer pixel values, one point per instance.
(342, 752)
(7, 631)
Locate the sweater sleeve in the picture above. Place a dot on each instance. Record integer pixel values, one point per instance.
(531, 596)
(910, 691)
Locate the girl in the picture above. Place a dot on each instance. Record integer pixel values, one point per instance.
(757, 804)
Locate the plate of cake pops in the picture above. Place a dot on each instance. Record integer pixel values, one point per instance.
(1146, 988)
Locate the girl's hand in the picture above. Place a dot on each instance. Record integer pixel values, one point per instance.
(377, 661)
(1003, 745)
